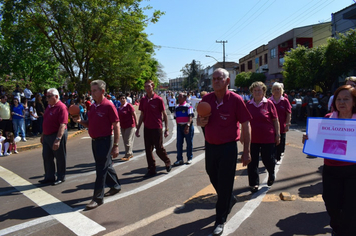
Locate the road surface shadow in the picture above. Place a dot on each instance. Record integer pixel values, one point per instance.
(304, 224)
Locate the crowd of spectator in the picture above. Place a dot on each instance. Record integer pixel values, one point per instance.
(21, 111)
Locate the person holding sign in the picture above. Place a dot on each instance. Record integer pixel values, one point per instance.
(339, 177)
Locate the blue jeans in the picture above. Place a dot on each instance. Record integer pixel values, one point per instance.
(19, 126)
(188, 138)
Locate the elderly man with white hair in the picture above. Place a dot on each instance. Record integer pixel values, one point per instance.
(54, 138)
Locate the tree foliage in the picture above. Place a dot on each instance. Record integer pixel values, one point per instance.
(191, 75)
(321, 66)
(101, 39)
(245, 79)
(25, 57)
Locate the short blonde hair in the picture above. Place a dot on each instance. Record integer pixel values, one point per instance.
(278, 85)
(258, 84)
(351, 78)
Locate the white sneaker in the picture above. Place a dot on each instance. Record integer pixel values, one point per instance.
(1, 155)
(189, 162)
(6, 154)
(16, 152)
(24, 139)
(219, 229)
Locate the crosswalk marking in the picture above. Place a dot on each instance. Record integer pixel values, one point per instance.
(73, 220)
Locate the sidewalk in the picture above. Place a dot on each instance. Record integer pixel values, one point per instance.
(34, 142)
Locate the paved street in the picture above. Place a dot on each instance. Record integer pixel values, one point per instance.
(174, 204)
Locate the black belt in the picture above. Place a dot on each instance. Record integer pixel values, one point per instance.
(101, 138)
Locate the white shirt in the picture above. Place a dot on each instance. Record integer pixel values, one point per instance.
(28, 93)
(129, 100)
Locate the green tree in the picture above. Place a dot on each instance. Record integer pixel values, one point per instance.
(245, 79)
(321, 66)
(26, 58)
(86, 35)
(191, 73)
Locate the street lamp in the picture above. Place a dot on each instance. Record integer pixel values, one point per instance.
(212, 57)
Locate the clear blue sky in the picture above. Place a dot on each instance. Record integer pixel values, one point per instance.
(189, 29)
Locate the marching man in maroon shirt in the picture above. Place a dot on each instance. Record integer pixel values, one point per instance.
(102, 121)
(152, 110)
(54, 139)
(222, 132)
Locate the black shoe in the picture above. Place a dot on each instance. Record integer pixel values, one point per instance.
(271, 180)
(92, 205)
(59, 181)
(169, 168)
(149, 175)
(112, 192)
(254, 189)
(218, 230)
(46, 181)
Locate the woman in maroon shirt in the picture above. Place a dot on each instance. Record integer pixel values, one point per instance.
(128, 123)
(264, 134)
(284, 111)
(339, 177)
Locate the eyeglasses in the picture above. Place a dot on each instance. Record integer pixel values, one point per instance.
(49, 96)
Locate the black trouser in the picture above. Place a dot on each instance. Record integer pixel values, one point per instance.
(267, 155)
(339, 194)
(105, 172)
(280, 147)
(48, 155)
(220, 164)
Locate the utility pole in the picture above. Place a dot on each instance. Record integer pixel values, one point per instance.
(223, 42)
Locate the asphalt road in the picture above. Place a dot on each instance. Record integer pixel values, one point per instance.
(178, 203)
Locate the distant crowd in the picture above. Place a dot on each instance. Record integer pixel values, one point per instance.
(22, 110)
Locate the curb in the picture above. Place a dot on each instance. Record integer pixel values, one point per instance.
(37, 145)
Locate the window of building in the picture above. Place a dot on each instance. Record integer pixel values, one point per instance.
(273, 53)
(266, 58)
(260, 60)
(242, 67)
(249, 65)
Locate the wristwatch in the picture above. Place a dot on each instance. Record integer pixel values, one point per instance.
(116, 144)
(59, 139)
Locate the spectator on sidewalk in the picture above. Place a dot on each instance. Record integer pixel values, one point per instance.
(222, 132)
(185, 129)
(152, 109)
(5, 115)
(27, 92)
(34, 119)
(18, 118)
(40, 109)
(102, 121)
(54, 139)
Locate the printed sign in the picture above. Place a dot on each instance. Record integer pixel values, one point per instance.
(331, 138)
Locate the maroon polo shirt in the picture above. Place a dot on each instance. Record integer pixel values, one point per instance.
(223, 125)
(53, 117)
(101, 117)
(283, 107)
(262, 127)
(152, 110)
(125, 114)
